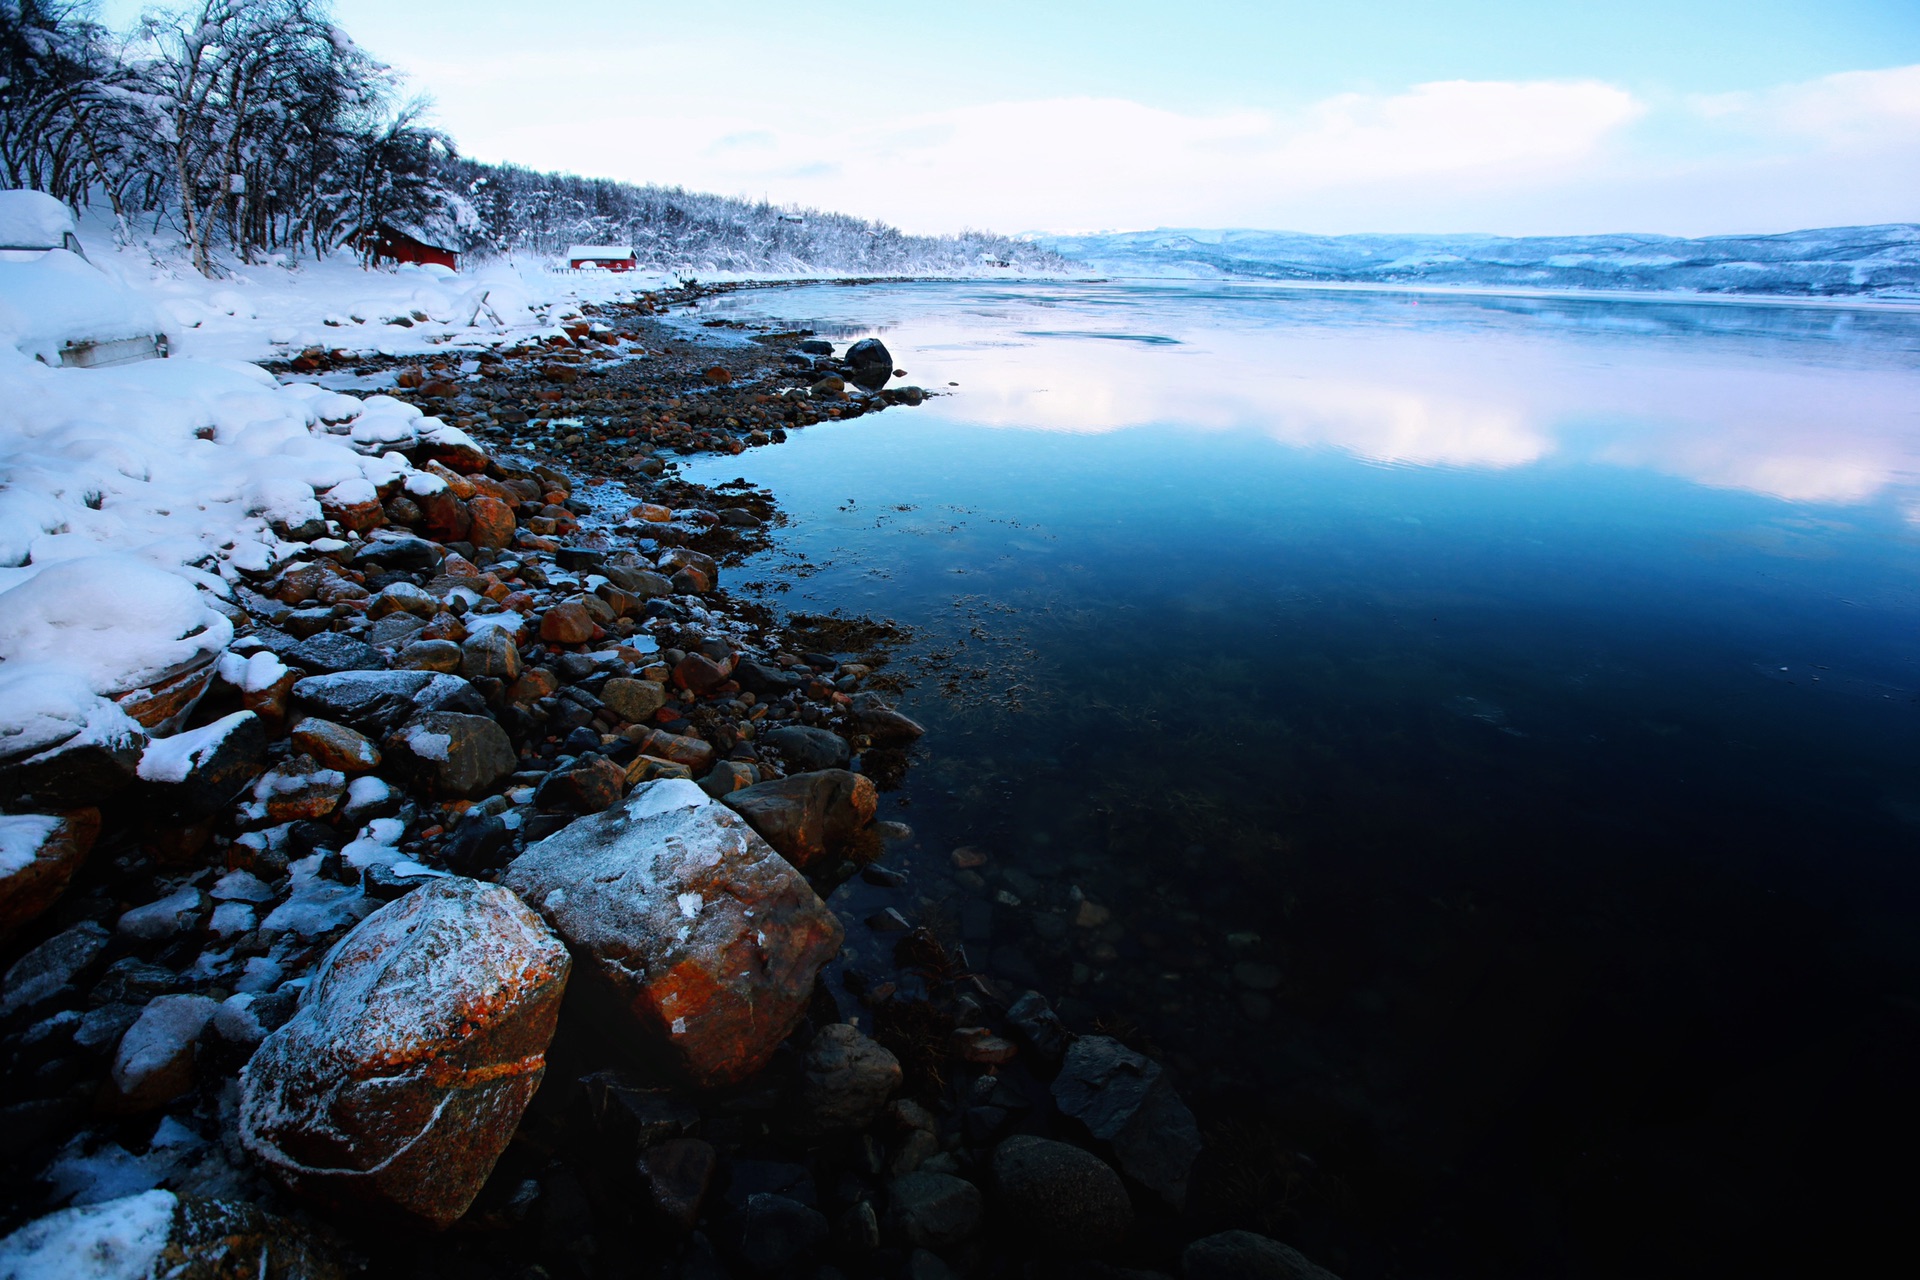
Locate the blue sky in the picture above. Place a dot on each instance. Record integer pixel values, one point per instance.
(1684, 117)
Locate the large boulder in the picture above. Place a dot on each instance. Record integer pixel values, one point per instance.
(38, 855)
(404, 1073)
(871, 362)
(1057, 1198)
(702, 940)
(158, 1235)
(1242, 1255)
(1125, 1103)
(808, 817)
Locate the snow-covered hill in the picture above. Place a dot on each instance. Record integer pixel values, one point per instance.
(1882, 261)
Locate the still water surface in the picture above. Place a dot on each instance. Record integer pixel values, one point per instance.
(1492, 725)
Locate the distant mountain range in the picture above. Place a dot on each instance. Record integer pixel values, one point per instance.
(1878, 262)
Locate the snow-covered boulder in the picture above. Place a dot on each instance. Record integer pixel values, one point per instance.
(61, 744)
(374, 702)
(38, 855)
(404, 1073)
(702, 939)
(158, 1235)
(154, 1063)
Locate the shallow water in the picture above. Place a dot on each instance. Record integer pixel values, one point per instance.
(1492, 725)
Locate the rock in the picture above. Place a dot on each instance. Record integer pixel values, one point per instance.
(979, 1045)
(452, 754)
(882, 723)
(844, 1082)
(402, 597)
(1242, 1255)
(700, 564)
(158, 1235)
(816, 347)
(480, 843)
(405, 1072)
(335, 746)
(51, 968)
(627, 1109)
(375, 701)
(695, 753)
(1124, 1102)
(593, 784)
(1039, 1027)
(677, 1174)
(727, 777)
(809, 748)
(776, 1234)
(872, 363)
(99, 758)
(490, 654)
(567, 623)
(405, 552)
(298, 788)
(154, 1063)
(932, 1210)
(167, 918)
(1059, 1199)
(699, 673)
(758, 678)
(639, 582)
(199, 772)
(634, 701)
(431, 655)
(38, 855)
(808, 817)
(491, 523)
(688, 924)
(332, 651)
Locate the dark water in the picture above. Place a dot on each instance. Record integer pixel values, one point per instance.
(1492, 726)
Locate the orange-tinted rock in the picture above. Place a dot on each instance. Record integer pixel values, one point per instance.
(808, 817)
(164, 706)
(38, 855)
(699, 673)
(299, 788)
(490, 523)
(702, 941)
(444, 516)
(335, 746)
(567, 623)
(356, 505)
(405, 1072)
(695, 753)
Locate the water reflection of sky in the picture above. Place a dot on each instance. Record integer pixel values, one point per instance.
(1728, 396)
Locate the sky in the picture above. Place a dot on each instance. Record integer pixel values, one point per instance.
(1686, 117)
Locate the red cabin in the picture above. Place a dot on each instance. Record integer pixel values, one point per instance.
(604, 257)
(389, 245)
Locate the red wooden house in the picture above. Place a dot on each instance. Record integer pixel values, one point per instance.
(388, 244)
(605, 257)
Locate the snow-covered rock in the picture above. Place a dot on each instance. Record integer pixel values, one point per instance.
(374, 702)
(38, 855)
(154, 1063)
(687, 924)
(405, 1072)
(158, 1235)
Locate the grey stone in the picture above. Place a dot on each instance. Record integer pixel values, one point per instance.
(1058, 1198)
(1242, 1255)
(777, 1234)
(932, 1210)
(809, 748)
(1124, 1102)
(452, 754)
(375, 701)
(332, 651)
(51, 968)
(844, 1082)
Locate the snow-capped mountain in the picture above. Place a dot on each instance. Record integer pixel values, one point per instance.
(1879, 261)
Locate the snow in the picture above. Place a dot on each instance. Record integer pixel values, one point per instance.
(168, 1027)
(315, 905)
(59, 298)
(252, 673)
(162, 919)
(174, 759)
(427, 745)
(34, 220)
(21, 838)
(118, 619)
(1878, 261)
(231, 919)
(42, 707)
(241, 886)
(118, 1240)
(599, 252)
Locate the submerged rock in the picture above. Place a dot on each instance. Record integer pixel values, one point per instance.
(1058, 1198)
(405, 1072)
(704, 940)
(1124, 1102)
(844, 1083)
(1242, 1255)
(808, 817)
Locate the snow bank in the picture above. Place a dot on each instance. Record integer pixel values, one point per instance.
(55, 298)
(33, 220)
(117, 621)
(118, 1240)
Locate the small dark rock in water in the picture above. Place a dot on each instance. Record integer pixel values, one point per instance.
(777, 1234)
(872, 363)
(1039, 1027)
(882, 723)
(932, 1210)
(1242, 1255)
(817, 347)
(810, 748)
(676, 1174)
(1126, 1105)
(1058, 1198)
(844, 1083)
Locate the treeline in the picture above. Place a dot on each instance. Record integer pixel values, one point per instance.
(250, 125)
(521, 210)
(254, 127)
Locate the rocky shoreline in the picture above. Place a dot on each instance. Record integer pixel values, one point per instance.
(466, 913)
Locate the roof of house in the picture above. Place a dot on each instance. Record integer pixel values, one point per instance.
(600, 251)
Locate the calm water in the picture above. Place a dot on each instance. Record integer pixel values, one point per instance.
(1491, 725)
